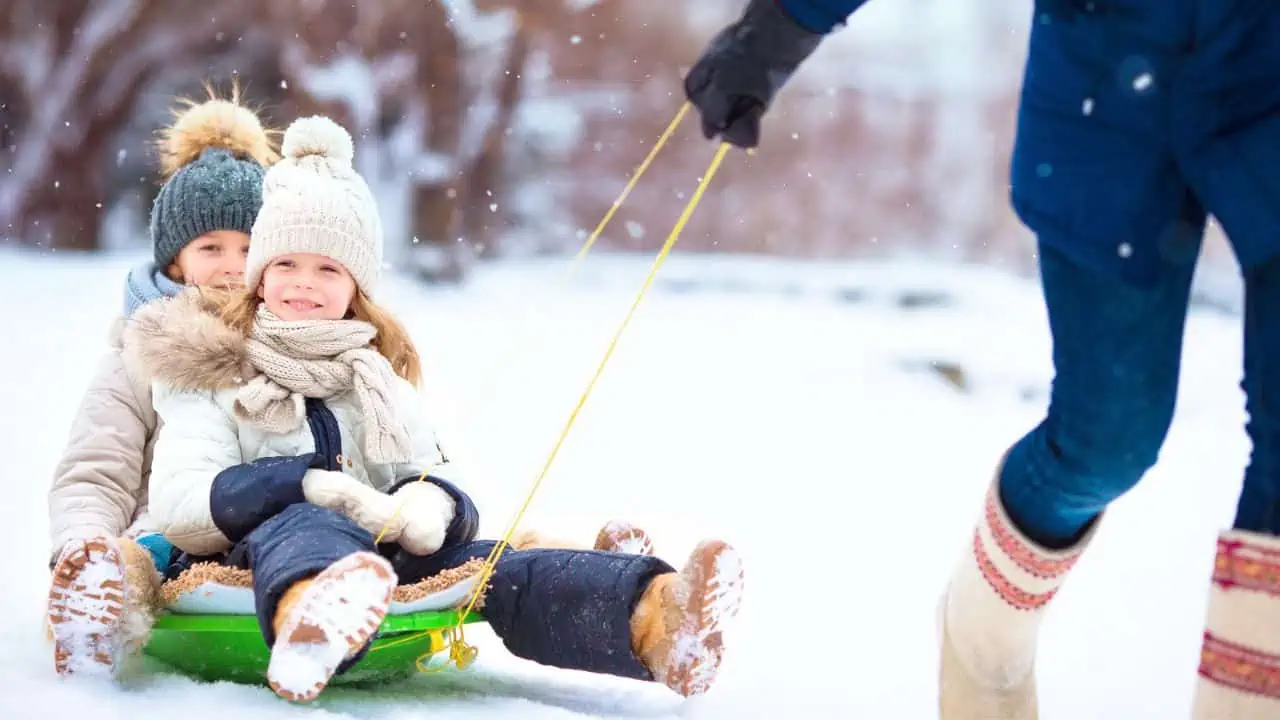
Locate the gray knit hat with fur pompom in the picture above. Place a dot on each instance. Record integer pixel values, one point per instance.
(215, 156)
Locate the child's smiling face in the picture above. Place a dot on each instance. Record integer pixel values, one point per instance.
(306, 286)
(215, 259)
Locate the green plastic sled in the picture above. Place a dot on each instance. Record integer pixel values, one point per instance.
(230, 647)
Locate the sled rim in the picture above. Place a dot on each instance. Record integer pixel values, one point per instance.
(215, 648)
(391, 624)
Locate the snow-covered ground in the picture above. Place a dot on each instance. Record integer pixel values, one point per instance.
(785, 407)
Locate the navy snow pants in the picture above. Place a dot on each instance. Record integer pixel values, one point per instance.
(564, 608)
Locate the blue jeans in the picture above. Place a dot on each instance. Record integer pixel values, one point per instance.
(1116, 353)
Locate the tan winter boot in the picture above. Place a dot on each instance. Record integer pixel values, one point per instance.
(621, 536)
(321, 621)
(86, 608)
(676, 628)
(1240, 655)
(616, 536)
(141, 596)
(533, 539)
(991, 616)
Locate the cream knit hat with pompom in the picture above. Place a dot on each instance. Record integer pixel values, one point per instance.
(313, 201)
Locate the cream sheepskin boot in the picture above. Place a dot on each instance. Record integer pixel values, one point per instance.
(991, 616)
(1240, 656)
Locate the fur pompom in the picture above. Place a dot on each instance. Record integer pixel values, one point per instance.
(214, 123)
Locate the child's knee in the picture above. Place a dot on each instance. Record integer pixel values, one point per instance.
(300, 517)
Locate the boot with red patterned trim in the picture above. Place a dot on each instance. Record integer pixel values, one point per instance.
(1240, 656)
(991, 616)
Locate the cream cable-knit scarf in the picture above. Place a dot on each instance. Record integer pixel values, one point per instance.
(320, 359)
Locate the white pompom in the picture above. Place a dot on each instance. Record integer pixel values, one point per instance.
(317, 135)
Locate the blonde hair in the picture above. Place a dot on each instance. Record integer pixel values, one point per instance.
(238, 308)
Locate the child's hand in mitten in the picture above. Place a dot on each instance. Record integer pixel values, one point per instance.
(369, 508)
(425, 513)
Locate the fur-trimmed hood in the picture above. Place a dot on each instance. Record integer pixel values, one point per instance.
(182, 342)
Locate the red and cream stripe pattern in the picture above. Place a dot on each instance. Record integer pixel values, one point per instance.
(1240, 654)
(992, 611)
(1023, 575)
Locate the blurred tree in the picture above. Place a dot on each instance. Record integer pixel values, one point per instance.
(399, 74)
(72, 72)
(491, 126)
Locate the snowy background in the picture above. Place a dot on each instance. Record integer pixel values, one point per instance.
(824, 375)
(801, 411)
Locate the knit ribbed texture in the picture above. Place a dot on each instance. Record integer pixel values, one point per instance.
(314, 201)
(147, 282)
(320, 359)
(217, 191)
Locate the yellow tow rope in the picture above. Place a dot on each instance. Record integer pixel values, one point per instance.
(462, 654)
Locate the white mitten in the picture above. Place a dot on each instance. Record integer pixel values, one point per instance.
(425, 514)
(369, 508)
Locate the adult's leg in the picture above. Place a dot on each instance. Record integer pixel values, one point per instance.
(1229, 145)
(1258, 509)
(1095, 177)
(1116, 352)
(1239, 674)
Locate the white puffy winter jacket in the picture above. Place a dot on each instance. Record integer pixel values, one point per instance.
(197, 366)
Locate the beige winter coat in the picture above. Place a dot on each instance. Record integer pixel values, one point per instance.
(100, 485)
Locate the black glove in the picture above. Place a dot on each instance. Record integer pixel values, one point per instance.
(743, 67)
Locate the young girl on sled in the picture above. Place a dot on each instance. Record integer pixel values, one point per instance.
(105, 555)
(293, 433)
